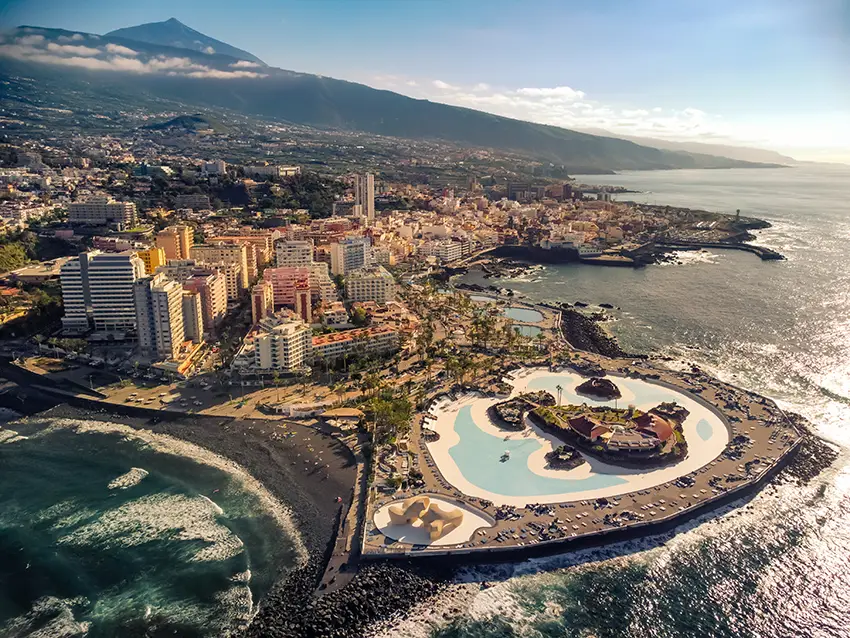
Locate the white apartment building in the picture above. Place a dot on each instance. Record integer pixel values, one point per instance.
(159, 316)
(271, 171)
(370, 284)
(447, 250)
(293, 253)
(322, 287)
(224, 252)
(335, 315)
(102, 210)
(350, 254)
(282, 344)
(97, 289)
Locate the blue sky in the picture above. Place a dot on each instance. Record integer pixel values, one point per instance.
(772, 73)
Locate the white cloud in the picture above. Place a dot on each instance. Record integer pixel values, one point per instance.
(444, 86)
(112, 58)
(31, 40)
(481, 86)
(209, 50)
(246, 64)
(71, 49)
(555, 92)
(224, 75)
(77, 37)
(119, 50)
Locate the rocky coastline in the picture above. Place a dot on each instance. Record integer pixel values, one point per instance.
(584, 332)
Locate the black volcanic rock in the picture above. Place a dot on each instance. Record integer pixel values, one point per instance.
(599, 388)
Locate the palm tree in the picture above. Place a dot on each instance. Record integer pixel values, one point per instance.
(559, 389)
(276, 380)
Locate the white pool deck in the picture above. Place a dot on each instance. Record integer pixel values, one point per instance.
(700, 452)
(416, 535)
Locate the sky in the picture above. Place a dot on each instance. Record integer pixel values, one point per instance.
(768, 73)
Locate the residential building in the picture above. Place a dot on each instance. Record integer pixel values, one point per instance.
(233, 277)
(292, 253)
(376, 340)
(97, 289)
(159, 316)
(176, 241)
(447, 250)
(370, 284)
(334, 315)
(212, 288)
(259, 245)
(262, 301)
(271, 171)
(283, 281)
(224, 253)
(283, 344)
(215, 167)
(350, 254)
(101, 211)
(364, 196)
(193, 316)
(152, 258)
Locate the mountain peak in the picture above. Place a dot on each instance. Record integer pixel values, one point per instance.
(174, 33)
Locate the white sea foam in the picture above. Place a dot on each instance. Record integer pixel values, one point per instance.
(50, 617)
(129, 479)
(165, 444)
(159, 516)
(10, 436)
(688, 257)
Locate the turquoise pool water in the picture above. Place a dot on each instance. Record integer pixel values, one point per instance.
(646, 395)
(478, 455)
(705, 430)
(522, 314)
(528, 331)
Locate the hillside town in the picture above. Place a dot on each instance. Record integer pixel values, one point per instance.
(154, 267)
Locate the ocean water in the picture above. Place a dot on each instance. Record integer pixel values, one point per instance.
(108, 532)
(778, 566)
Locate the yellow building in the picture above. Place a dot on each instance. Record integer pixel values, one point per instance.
(153, 258)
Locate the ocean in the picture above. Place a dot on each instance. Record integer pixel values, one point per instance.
(777, 566)
(106, 531)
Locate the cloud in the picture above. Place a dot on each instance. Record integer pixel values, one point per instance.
(71, 49)
(444, 86)
(209, 50)
(31, 40)
(556, 92)
(572, 108)
(119, 50)
(112, 57)
(77, 37)
(225, 75)
(245, 64)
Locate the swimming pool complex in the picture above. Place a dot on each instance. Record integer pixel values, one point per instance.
(471, 450)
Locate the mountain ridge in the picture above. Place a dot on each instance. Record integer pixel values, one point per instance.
(199, 79)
